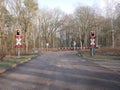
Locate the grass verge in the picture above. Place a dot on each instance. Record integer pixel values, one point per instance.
(99, 57)
(13, 61)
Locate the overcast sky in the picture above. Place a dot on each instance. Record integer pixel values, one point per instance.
(68, 6)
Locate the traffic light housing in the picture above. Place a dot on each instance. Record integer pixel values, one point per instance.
(92, 33)
(18, 32)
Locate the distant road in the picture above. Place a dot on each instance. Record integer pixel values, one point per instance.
(59, 71)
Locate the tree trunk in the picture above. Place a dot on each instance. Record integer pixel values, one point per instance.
(86, 37)
(26, 43)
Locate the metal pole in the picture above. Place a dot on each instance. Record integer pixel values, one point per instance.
(18, 49)
(74, 43)
(81, 44)
(74, 47)
(92, 51)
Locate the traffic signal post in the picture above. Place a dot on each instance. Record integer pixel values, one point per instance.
(18, 38)
(92, 43)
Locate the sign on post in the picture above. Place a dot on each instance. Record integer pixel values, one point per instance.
(92, 43)
(47, 44)
(74, 44)
(18, 38)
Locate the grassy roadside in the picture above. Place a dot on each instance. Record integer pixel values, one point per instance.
(101, 54)
(13, 61)
(99, 57)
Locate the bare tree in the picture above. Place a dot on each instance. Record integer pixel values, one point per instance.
(85, 17)
(51, 21)
(110, 13)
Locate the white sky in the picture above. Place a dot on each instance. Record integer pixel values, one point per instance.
(68, 6)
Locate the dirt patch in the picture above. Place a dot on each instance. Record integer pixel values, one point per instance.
(109, 51)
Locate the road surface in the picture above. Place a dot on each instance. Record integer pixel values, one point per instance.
(60, 71)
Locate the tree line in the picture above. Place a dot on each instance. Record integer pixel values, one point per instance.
(40, 26)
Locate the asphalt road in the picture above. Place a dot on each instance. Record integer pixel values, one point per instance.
(111, 64)
(60, 71)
